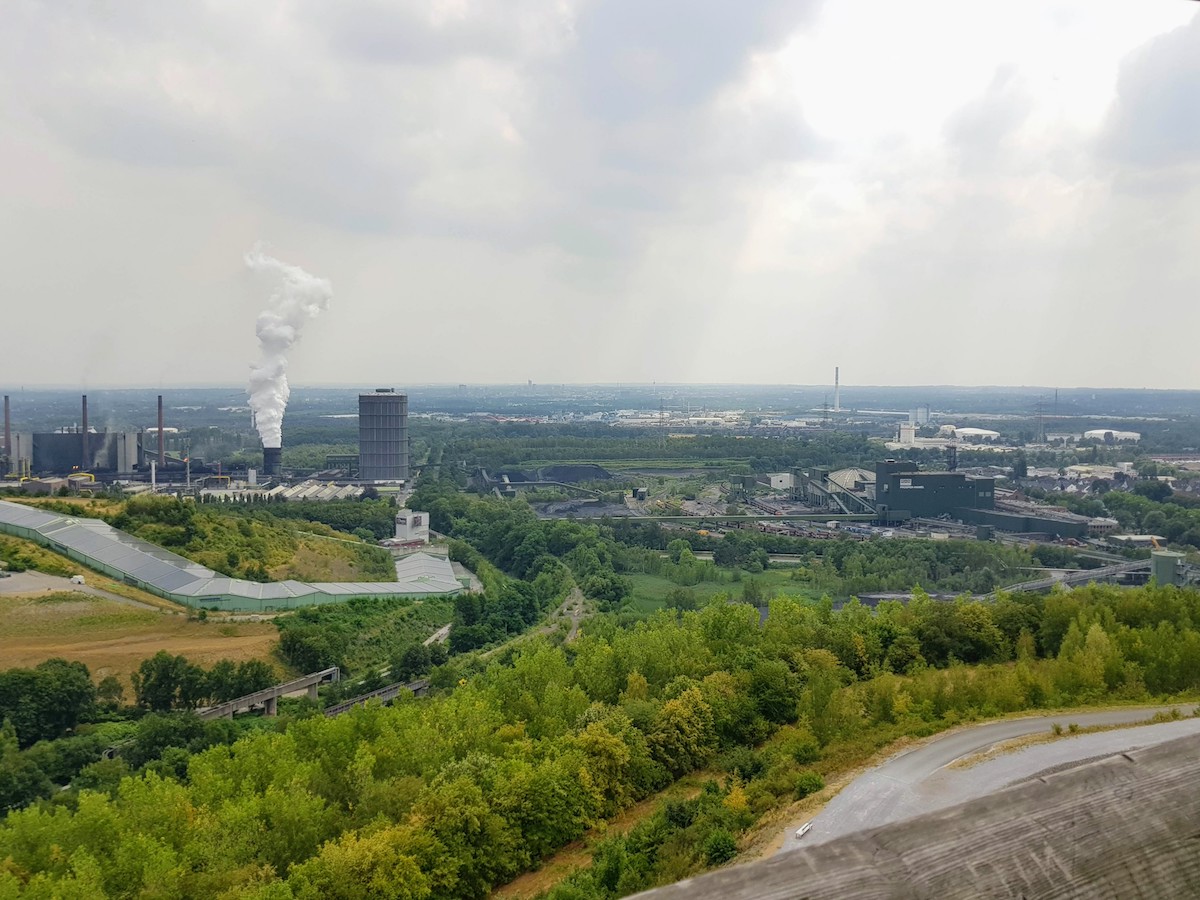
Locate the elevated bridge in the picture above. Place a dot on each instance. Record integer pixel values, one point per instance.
(1082, 576)
(268, 698)
(384, 695)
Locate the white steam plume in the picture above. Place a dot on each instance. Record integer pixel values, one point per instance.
(297, 297)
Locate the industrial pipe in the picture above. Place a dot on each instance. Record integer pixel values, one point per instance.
(85, 461)
(162, 447)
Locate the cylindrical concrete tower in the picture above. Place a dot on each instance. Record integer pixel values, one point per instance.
(272, 461)
(383, 436)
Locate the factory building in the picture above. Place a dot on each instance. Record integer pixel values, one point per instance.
(75, 449)
(412, 527)
(119, 452)
(383, 436)
(903, 492)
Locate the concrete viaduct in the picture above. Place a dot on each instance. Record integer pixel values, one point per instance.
(384, 695)
(268, 698)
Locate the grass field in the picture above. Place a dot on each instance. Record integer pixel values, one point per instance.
(112, 638)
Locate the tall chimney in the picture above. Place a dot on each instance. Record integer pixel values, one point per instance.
(7, 438)
(84, 463)
(162, 447)
(837, 389)
(272, 461)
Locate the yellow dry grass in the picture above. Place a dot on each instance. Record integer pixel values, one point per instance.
(314, 561)
(113, 638)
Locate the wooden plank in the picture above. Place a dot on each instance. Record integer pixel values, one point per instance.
(1124, 827)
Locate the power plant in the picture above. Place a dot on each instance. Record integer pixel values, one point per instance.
(383, 436)
(69, 450)
(44, 457)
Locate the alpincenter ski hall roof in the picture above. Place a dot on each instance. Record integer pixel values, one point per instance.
(122, 556)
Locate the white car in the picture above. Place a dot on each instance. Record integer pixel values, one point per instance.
(77, 579)
(803, 830)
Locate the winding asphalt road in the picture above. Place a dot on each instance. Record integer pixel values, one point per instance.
(918, 781)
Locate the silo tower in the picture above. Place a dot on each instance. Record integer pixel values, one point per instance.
(383, 436)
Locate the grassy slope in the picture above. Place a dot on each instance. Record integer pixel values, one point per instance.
(279, 549)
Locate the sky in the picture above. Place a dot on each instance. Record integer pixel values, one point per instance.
(928, 192)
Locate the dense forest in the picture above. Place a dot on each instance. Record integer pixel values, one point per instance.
(450, 796)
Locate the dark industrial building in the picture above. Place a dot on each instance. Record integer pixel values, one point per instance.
(383, 436)
(902, 492)
(77, 449)
(1048, 522)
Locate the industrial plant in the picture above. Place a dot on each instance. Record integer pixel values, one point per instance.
(81, 451)
(75, 455)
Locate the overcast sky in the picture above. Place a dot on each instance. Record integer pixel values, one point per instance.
(924, 192)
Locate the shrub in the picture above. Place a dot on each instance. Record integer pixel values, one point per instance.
(808, 782)
(719, 847)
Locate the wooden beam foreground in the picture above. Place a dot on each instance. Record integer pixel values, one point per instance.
(1127, 826)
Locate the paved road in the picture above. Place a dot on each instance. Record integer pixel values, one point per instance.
(438, 637)
(917, 781)
(40, 582)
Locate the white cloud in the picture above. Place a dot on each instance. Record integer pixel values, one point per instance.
(607, 189)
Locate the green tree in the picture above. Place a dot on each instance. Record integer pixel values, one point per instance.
(165, 681)
(21, 780)
(371, 866)
(44, 702)
(1152, 489)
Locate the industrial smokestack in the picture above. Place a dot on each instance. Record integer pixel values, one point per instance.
(298, 298)
(272, 461)
(84, 459)
(837, 389)
(7, 438)
(162, 447)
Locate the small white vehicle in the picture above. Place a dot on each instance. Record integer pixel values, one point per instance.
(803, 830)
(77, 579)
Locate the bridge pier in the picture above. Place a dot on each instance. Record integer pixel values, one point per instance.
(312, 693)
(271, 706)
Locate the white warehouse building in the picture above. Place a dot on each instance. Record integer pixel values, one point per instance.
(1110, 436)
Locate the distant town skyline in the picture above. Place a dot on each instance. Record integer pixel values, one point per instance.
(580, 192)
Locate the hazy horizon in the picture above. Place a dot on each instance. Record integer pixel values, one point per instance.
(371, 385)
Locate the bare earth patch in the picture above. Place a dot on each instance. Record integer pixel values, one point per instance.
(112, 638)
